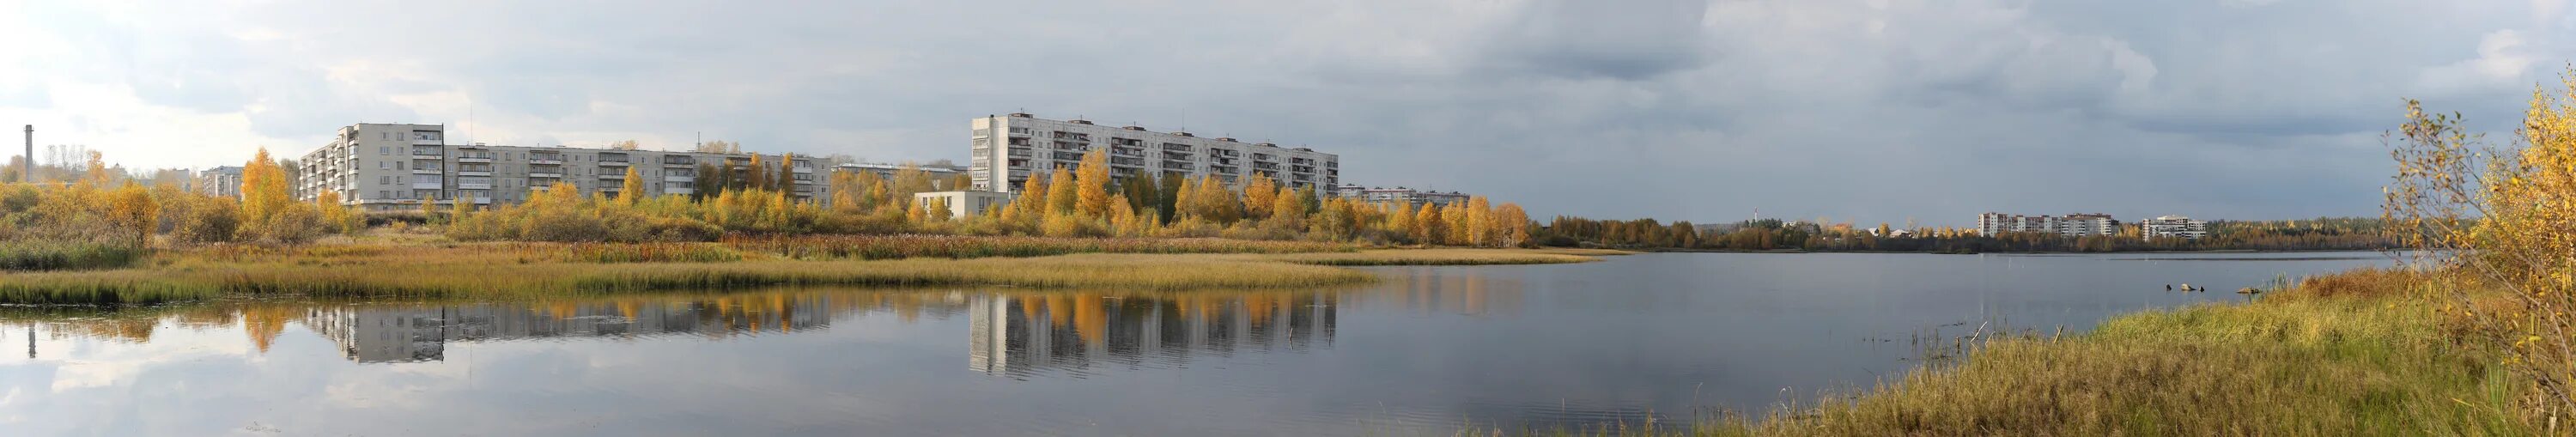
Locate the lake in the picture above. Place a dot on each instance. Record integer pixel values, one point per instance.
(1427, 351)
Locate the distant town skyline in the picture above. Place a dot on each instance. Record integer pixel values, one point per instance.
(1877, 111)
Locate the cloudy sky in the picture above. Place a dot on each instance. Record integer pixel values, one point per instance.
(1866, 111)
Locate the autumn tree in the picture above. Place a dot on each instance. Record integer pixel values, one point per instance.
(786, 175)
(625, 145)
(1259, 195)
(633, 189)
(719, 146)
(1062, 196)
(1092, 180)
(263, 189)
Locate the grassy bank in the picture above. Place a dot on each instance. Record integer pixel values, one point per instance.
(2357, 353)
(394, 266)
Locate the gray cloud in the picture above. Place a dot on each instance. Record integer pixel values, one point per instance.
(1702, 110)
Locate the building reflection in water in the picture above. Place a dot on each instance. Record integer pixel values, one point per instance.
(378, 334)
(1026, 334)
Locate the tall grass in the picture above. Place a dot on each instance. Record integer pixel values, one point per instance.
(51, 254)
(876, 247)
(1435, 257)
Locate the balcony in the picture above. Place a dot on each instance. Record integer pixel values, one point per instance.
(682, 179)
(427, 153)
(678, 161)
(483, 158)
(427, 185)
(546, 159)
(483, 172)
(620, 177)
(680, 191)
(540, 174)
(616, 163)
(417, 170)
(486, 185)
(804, 169)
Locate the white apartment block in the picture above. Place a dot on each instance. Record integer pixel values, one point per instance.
(1413, 197)
(390, 167)
(2173, 226)
(1009, 149)
(219, 182)
(886, 171)
(963, 204)
(2072, 225)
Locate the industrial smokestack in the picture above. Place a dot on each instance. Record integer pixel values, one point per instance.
(27, 167)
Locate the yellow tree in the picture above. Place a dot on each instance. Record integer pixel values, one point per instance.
(634, 188)
(133, 210)
(1455, 216)
(1427, 227)
(910, 180)
(1122, 220)
(1092, 180)
(1061, 196)
(2502, 224)
(1260, 194)
(263, 189)
(1288, 211)
(1220, 203)
(1185, 201)
(1516, 224)
(1480, 226)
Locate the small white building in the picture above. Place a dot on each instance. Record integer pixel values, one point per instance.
(963, 204)
(2173, 226)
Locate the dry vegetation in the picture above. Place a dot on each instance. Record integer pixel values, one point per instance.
(389, 263)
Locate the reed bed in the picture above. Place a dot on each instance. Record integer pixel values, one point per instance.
(614, 253)
(46, 254)
(879, 247)
(1434, 257)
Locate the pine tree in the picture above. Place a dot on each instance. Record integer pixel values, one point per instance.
(1167, 196)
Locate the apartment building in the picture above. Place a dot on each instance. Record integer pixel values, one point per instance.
(1008, 149)
(390, 167)
(886, 171)
(1409, 196)
(219, 182)
(2072, 225)
(2173, 226)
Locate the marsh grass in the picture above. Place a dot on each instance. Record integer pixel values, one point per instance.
(2357, 353)
(376, 268)
(1445, 257)
(50, 254)
(878, 247)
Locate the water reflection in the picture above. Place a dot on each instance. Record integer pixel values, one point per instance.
(1025, 334)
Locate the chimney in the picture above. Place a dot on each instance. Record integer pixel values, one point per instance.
(27, 167)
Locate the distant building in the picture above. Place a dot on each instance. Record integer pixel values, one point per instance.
(963, 204)
(886, 171)
(1009, 149)
(385, 167)
(1409, 196)
(2072, 225)
(219, 182)
(2173, 226)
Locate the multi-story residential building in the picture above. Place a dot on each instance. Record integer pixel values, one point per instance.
(218, 182)
(1409, 196)
(2072, 225)
(386, 167)
(886, 171)
(2173, 226)
(1008, 149)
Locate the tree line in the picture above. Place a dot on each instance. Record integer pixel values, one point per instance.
(1774, 234)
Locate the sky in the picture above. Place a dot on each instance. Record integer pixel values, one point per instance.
(1861, 111)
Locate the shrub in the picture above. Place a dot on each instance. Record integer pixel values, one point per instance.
(294, 224)
(566, 226)
(207, 220)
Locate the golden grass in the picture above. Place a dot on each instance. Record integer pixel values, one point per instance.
(2359, 353)
(370, 267)
(1444, 257)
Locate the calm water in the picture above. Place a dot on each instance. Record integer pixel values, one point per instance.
(1420, 354)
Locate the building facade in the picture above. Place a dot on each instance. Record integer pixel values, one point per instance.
(1008, 149)
(388, 167)
(886, 171)
(218, 182)
(2072, 225)
(2173, 226)
(1408, 196)
(963, 204)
